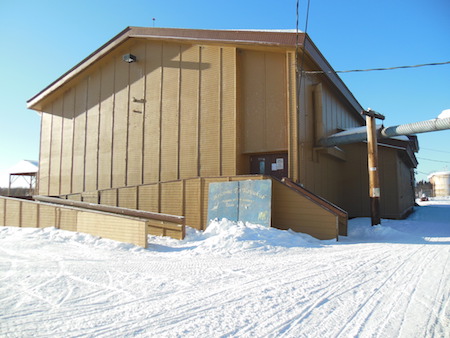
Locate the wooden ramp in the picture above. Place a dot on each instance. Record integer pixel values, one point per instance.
(121, 224)
(293, 207)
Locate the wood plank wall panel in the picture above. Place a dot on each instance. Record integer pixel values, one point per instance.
(67, 142)
(67, 219)
(172, 198)
(160, 228)
(92, 127)
(47, 216)
(148, 196)
(117, 227)
(294, 211)
(106, 126)
(12, 213)
(108, 197)
(170, 112)
(74, 197)
(127, 198)
(193, 202)
(120, 127)
(55, 147)
(189, 109)
(79, 139)
(90, 197)
(264, 101)
(113, 227)
(30, 214)
(210, 113)
(253, 108)
(228, 141)
(276, 101)
(136, 118)
(170, 131)
(44, 158)
(152, 121)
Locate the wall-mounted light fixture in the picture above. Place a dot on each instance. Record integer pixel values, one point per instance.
(129, 58)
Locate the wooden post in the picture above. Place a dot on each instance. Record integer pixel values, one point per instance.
(372, 153)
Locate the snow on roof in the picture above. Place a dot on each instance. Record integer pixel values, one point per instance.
(24, 166)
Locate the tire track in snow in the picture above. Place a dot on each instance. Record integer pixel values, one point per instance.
(214, 301)
(291, 326)
(393, 285)
(441, 304)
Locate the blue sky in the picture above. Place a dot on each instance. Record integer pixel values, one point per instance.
(42, 39)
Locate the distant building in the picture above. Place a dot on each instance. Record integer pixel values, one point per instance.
(441, 183)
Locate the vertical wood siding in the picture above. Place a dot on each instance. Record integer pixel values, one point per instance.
(55, 147)
(136, 112)
(167, 116)
(21, 213)
(44, 158)
(67, 142)
(79, 137)
(106, 126)
(263, 101)
(92, 135)
(152, 121)
(120, 124)
(322, 113)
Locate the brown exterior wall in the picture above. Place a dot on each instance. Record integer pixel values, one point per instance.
(322, 113)
(396, 198)
(263, 104)
(186, 110)
(171, 115)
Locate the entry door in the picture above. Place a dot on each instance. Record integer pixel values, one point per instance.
(275, 165)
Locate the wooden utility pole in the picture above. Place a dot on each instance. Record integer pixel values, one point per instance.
(372, 154)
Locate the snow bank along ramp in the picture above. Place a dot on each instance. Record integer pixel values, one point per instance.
(114, 223)
(292, 207)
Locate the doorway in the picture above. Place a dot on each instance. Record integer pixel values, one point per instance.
(275, 165)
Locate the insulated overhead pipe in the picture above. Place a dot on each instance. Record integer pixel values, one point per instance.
(360, 134)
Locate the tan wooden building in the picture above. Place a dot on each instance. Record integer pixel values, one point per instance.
(152, 116)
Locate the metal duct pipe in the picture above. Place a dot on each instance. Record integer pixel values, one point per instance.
(360, 134)
(416, 128)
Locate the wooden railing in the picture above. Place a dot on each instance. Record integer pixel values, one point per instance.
(130, 226)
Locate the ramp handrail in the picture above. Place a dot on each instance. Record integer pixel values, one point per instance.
(116, 210)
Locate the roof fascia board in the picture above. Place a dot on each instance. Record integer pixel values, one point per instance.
(204, 40)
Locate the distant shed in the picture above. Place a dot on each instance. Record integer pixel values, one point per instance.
(25, 170)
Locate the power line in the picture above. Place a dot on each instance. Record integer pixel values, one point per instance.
(379, 69)
(429, 159)
(439, 151)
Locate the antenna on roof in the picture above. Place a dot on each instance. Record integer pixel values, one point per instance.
(154, 19)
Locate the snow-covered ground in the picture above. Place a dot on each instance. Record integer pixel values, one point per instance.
(233, 281)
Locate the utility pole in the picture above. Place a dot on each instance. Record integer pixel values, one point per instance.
(372, 157)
